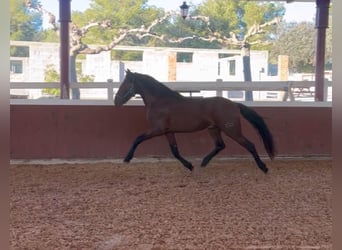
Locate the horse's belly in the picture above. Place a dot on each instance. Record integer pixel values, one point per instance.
(188, 123)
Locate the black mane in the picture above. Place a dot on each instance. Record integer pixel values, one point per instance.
(153, 86)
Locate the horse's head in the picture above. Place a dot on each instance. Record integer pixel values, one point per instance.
(126, 90)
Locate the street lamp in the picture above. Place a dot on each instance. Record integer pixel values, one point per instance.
(184, 8)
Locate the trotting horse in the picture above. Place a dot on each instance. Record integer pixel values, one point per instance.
(168, 112)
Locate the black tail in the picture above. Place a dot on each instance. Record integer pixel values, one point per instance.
(259, 124)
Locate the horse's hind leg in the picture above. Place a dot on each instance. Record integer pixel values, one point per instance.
(233, 130)
(215, 133)
(174, 149)
(243, 141)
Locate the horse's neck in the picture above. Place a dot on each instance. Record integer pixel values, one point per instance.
(150, 94)
(145, 98)
(148, 97)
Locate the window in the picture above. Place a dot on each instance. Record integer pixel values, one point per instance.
(184, 57)
(231, 65)
(16, 66)
(20, 51)
(225, 55)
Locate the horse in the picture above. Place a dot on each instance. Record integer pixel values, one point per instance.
(168, 112)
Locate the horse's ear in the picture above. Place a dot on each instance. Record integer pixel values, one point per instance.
(128, 71)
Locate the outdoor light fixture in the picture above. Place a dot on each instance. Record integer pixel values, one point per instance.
(184, 8)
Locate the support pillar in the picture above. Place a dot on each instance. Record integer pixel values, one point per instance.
(172, 66)
(322, 14)
(64, 19)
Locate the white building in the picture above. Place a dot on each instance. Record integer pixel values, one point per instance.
(162, 63)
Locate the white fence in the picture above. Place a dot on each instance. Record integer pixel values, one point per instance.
(102, 93)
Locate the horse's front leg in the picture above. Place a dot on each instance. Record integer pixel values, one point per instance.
(140, 139)
(174, 149)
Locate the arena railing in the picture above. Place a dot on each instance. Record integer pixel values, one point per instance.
(291, 90)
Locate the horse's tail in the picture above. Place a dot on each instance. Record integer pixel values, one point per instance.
(259, 124)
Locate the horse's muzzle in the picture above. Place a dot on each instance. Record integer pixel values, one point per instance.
(118, 101)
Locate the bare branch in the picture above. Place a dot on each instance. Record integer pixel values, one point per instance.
(39, 8)
(76, 33)
(258, 28)
(141, 32)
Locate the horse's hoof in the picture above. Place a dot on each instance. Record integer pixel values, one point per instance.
(265, 170)
(190, 167)
(204, 164)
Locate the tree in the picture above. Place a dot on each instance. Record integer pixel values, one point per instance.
(25, 23)
(252, 25)
(297, 40)
(251, 21)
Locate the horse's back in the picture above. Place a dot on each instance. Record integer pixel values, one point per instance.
(212, 109)
(222, 107)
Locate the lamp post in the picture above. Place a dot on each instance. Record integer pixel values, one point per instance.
(184, 9)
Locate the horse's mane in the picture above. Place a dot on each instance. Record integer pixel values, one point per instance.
(154, 86)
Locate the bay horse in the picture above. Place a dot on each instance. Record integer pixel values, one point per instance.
(168, 112)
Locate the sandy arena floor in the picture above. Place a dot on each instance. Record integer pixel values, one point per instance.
(160, 205)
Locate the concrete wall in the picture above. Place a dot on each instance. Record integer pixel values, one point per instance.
(40, 132)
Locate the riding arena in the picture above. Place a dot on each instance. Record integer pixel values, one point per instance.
(191, 176)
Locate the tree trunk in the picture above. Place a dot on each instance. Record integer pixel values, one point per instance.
(75, 92)
(247, 69)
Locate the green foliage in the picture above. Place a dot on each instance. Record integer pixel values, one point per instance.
(121, 14)
(24, 24)
(81, 77)
(122, 55)
(224, 15)
(49, 36)
(297, 40)
(86, 78)
(258, 13)
(238, 16)
(51, 76)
